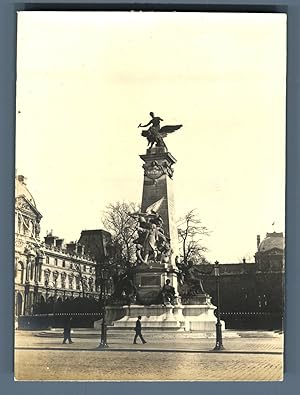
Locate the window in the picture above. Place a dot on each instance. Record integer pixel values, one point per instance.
(63, 263)
(46, 277)
(55, 277)
(63, 280)
(19, 224)
(55, 262)
(71, 281)
(20, 273)
(91, 284)
(32, 266)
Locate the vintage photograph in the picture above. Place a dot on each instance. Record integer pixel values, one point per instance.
(150, 196)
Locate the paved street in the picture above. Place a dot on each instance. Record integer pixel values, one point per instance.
(166, 356)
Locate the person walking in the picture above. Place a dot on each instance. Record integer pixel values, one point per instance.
(67, 330)
(138, 331)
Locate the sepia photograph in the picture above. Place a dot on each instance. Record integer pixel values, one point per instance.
(150, 196)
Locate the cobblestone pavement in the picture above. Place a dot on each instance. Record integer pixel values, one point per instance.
(166, 356)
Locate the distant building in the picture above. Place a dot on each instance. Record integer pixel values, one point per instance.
(270, 253)
(50, 269)
(250, 292)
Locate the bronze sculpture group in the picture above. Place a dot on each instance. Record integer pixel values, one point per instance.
(155, 134)
(151, 244)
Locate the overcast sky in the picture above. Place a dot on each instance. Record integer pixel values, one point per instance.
(86, 80)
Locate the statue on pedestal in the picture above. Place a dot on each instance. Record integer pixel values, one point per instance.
(155, 134)
(125, 289)
(168, 293)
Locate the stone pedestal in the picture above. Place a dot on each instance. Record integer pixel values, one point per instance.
(181, 317)
(153, 317)
(200, 318)
(149, 280)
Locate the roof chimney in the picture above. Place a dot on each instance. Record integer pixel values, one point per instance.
(71, 247)
(59, 243)
(50, 239)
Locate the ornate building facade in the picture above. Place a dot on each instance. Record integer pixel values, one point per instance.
(47, 270)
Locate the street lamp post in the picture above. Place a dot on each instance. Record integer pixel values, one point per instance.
(219, 343)
(103, 341)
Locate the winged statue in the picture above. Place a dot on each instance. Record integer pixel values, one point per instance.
(155, 134)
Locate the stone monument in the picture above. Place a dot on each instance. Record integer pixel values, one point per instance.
(155, 274)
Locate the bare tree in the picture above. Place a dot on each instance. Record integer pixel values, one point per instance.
(117, 220)
(190, 233)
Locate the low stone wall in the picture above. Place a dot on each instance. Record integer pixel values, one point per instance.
(47, 321)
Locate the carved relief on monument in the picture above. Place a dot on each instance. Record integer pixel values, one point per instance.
(150, 281)
(155, 170)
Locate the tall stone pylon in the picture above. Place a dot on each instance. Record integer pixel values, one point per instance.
(158, 187)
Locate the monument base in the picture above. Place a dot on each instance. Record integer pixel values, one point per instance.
(153, 317)
(179, 318)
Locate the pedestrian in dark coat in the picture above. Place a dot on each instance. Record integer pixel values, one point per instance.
(67, 330)
(138, 331)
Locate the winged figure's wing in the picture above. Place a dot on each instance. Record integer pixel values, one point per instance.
(165, 130)
(155, 206)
